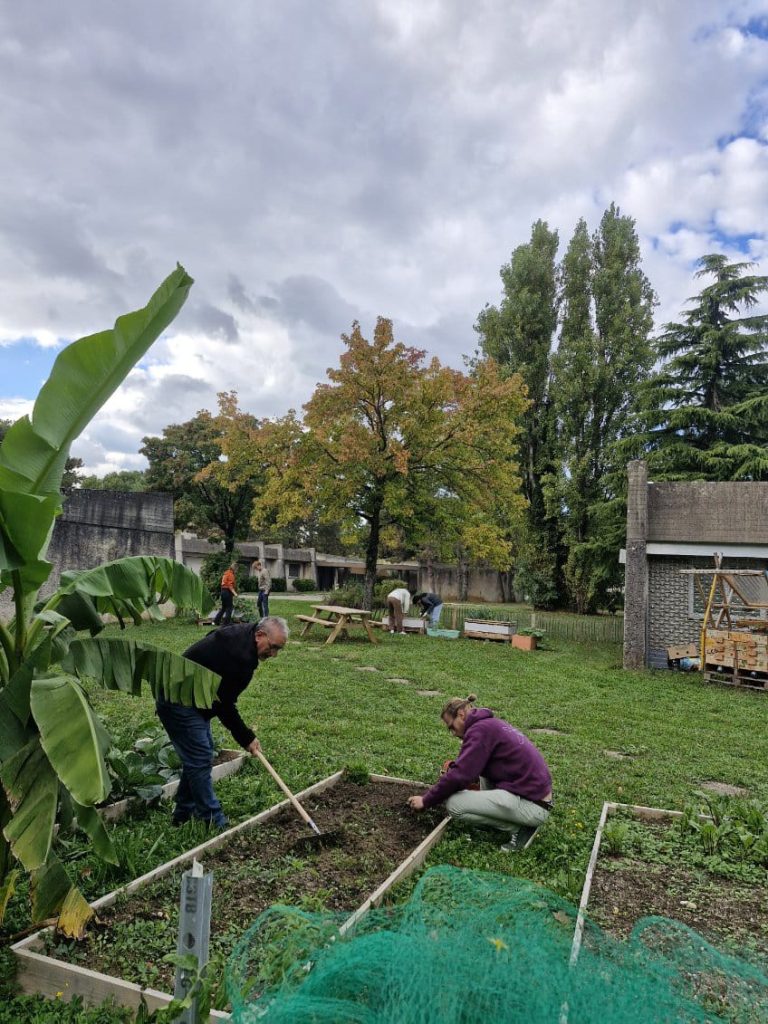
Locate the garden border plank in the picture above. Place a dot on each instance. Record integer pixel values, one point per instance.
(609, 808)
(39, 974)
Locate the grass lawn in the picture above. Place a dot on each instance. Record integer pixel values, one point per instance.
(315, 711)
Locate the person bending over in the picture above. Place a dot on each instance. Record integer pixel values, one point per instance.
(234, 653)
(515, 794)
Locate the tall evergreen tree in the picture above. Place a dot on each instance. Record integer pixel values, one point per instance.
(604, 351)
(704, 411)
(519, 335)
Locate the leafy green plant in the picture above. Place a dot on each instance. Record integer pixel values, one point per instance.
(358, 774)
(538, 633)
(384, 587)
(143, 769)
(52, 744)
(616, 837)
(305, 586)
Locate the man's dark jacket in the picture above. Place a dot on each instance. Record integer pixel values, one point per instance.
(229, 651)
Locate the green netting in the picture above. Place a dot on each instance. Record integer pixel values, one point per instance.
(478, 948)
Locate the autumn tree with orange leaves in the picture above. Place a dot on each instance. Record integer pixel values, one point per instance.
(395, 443)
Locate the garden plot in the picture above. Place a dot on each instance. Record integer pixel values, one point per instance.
(708, 872)
(256, 864)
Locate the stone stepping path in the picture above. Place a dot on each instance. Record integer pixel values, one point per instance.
(618, 755)
(429, 693)
(550, 732)
(366, 668)
(724, 788)
(395, 679)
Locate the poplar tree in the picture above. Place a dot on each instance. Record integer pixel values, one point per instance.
(519, 334)
(604, 352)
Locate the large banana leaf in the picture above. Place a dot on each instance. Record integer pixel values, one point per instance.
(121, 664)
(26, 521)
(32, 789)
(53, 893)
(126, 587)
(72, 737)
(84, 376)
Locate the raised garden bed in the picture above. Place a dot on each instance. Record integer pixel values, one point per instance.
(489, 629)
(255, 865)
(644, 864)
(227, 763)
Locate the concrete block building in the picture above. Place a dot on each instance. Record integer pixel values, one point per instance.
(681, 525)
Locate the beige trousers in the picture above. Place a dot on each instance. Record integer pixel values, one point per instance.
(494, 808)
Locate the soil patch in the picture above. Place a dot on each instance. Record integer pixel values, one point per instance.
(730, 912)
(259, 867)
(724, 788)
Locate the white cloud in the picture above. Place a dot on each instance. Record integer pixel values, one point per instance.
(313, 163)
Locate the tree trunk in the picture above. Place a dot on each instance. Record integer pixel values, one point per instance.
(372, 557)
(463, 576)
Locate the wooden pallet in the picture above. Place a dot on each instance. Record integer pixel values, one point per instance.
(744, 680)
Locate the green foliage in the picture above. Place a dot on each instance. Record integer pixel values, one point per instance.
(304, 586)
(357, 773)
(52, 743)
(702, 414)
(351, 595)
(210, 496)
(144, 768)
(121, 480)
(384, 587)
(737, 829)
(616, 837)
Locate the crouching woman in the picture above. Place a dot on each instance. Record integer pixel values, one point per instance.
(515, 794)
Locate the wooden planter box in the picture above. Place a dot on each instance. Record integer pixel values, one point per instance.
(231, 761)
(524, 643)
(411, 624)
(489, 629)
(40, 974)
(609, 808)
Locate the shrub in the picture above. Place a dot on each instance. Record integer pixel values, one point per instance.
(250, 585)
(305, 586)
(358, 774)
(384, 587)
(279, 586)
(349, 596)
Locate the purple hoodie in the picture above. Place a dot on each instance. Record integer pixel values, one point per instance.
(500, 753)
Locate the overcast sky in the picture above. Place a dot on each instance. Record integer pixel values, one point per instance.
(311, 163)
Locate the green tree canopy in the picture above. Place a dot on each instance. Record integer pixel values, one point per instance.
(703, 413)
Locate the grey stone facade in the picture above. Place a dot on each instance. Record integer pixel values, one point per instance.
(674, 526)
(101, 526)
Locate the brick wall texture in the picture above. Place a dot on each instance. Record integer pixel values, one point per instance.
(669, 617)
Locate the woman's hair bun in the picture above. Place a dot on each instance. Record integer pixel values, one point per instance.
(471, 698)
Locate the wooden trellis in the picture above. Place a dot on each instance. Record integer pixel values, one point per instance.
(734, 630)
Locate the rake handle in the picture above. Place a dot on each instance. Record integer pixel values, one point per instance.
(287, 792)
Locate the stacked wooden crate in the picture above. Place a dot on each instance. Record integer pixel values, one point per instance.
(737, 651)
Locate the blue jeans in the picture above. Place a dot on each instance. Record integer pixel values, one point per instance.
(434, 614)
(227, 604)
(262, 603)
(191, 737)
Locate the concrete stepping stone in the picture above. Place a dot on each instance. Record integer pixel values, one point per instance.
(429, 693)
(366, 668)
(549, 732)
(395, 679)
(618, 755)
(724, 788)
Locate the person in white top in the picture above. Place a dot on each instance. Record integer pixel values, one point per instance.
(398, 603)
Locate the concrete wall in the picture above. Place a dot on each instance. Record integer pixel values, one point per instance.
(101, 526)
(699, 512)
(483, 585)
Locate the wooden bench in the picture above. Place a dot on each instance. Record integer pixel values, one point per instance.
(313, 620)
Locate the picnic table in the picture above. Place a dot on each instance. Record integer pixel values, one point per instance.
(338, 620)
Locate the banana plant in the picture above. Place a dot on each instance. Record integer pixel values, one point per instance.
(52, 743)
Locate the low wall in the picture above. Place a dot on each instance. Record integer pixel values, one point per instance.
(100, 526)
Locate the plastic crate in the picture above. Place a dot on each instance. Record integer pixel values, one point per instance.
(445, 634)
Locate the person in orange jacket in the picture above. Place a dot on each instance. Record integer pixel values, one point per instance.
(228, 595)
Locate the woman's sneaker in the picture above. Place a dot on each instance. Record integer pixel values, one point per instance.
(520, 840)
